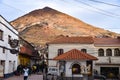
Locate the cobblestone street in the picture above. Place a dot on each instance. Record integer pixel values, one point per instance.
(32, 77)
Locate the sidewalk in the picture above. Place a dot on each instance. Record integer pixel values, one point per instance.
(31, 77)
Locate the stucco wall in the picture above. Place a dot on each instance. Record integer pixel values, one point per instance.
(53, 50)
(69, 67)
(91, 49)
(115, 60)
(10, 59)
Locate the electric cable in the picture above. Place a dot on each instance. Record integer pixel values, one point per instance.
(105, 3)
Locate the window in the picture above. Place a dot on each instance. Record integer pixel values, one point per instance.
(116, 52)
(76, 69)
(3, 49)
(9, 38)
(60, 51)
(1, 35)
(2, 62)
(108, 52)
(84, 50)
(100, 52)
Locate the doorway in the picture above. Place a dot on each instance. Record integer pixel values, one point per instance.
(110, 72)
(76, 69)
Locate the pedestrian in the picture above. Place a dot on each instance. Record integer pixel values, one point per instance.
(26, 72)
(34, 68)
(19, 69)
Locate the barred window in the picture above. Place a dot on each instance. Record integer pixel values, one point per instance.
(84, 50)
(116, 52)
(108, 52)
(100, 52)
(60, 51)
(3, 49)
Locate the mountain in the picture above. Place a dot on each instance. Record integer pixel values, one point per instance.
(44, 25)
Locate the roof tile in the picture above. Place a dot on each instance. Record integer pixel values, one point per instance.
(81, 40)
(106, 42)
(75, 54)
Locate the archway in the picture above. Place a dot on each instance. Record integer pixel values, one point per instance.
(76, 69)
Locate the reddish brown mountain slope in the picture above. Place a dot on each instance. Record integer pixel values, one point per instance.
(43, 25)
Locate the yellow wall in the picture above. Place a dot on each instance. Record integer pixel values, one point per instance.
(24, 60)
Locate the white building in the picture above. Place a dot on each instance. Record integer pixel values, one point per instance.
(8, 48)
(74, 53)
(107, 50)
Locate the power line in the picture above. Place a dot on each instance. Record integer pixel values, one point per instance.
(105, 3)
(91, 10)
(13, 7)
(107, 12)
(99, 12)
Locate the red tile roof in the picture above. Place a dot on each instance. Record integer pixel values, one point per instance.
(25, 50)
(81, 40)
(106, 42)
(75, 54)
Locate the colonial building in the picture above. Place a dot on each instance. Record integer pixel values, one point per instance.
(72, 56)
(76, 53)
(108, 53)
(8, 48)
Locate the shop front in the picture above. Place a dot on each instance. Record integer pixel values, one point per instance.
(110, 72)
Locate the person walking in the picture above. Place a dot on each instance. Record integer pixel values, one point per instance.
(26, 73)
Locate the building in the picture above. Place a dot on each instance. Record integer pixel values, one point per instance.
(66, 49)
(8, 48)
(28, 55)
(108, 53)
(72, 56)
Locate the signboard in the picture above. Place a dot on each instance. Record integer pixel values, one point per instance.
(13, 43)
(14, 51)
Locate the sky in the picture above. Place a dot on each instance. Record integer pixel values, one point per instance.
(100, 13)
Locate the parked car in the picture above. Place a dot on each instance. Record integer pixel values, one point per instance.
(52, 71)
(99, 77)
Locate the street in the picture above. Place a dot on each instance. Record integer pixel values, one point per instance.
(31, 77)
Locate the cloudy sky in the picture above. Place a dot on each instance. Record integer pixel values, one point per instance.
(100, 13)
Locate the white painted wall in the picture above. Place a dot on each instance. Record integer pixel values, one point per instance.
(105, 59)
(10, 59)
(53, 52)
(53, 48)
(91, 49)
(69, 67)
